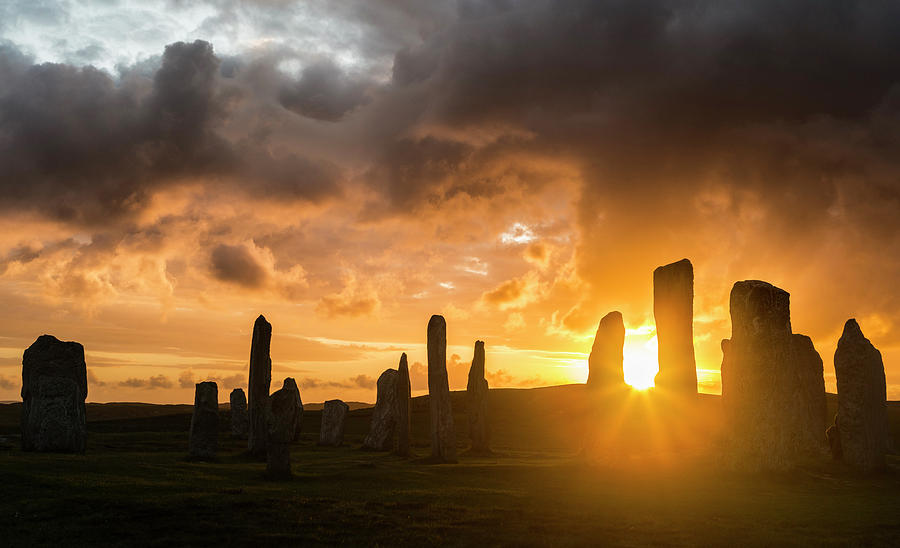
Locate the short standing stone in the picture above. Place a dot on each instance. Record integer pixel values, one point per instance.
(240, 422)
(673, 310)
(204, 436)
(403, 401)
(443, 433)
(605, 364)
(334, 415)
(477, 402)
(384, 416)
(291, 384)
(861, 419)
(258, 388)
(281, 425)
(811, 394)
(54, 387)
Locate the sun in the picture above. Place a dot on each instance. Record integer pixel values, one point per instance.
(641, 359)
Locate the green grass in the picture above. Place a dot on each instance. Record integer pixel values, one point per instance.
(135, 487)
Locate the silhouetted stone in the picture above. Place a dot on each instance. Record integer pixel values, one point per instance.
(54, 387)
(204, 435)
(477, 402)
(770, 381)
(281, 425)
(443, 433)
(861, 418)
(240, 421)
(334, 415)
(384, 417)
(291, 384)
(403, 402)
(258, 388)
(834, 442)
(673, 310)
(605, 364)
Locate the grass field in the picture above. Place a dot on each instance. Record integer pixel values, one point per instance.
(135, 487)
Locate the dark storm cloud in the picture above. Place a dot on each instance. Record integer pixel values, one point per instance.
(234, 263)
(324, 92)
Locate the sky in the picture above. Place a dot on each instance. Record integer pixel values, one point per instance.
(169, 170)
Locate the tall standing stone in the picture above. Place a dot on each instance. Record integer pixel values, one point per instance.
(673, 310)
(334, 415)
(384, 417)
(240, 422)
(258, 389)
(769, 381)
(606, 362)
(811, 395)
(54, 387)
(291, 385)
(281, 425)
(477, 402)
(404, 393)
(204, 434)
(443, 433)
(861, 420)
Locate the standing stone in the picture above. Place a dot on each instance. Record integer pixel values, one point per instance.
(204, 436)
(477, 402)
(281, 425)
(404, 393)
(385, 415)
(240, 422)
(291, 385)
(605, 364)
(811, 395)
(673, 310)
(258, 389)
(443, 433)
(54, 387)
(334, 415)
(861, 420)
(770, 382)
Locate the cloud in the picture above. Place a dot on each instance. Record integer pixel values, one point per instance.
(93, 380)
(514, 293)
(359, 381)
(354, 300)
(234, 263)
(151, 383)
(324, 92)
(7, 384)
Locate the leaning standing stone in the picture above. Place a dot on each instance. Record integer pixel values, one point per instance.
(605, 364)
(443, 433)
(204, 436)
(403, 401)
(384, 417)
(477, 404)
(258, 388)
(334, 415)
(291, 385)
(861, 421)
(54, 387)
(240, 422)
(281, 425)
(673, 310)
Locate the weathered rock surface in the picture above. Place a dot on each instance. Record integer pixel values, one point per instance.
(443, 433)
(384, 418)
(240, 421)
(673, 310)
(605, 364)
(861, 420)
(334, 416)
(54, 387)
(281, 425)
(404, 393)
(258, 388)
(204, 434)
(291, 384)
(477, 403)
(770, 381)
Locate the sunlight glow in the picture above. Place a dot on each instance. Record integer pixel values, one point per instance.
(641, 360)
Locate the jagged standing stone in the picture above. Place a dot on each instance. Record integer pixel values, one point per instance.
(240, 422)
(861, 420)
(385, 414)
(404, 392)
(204, 434)
(258, 388)
(54, 387)
(281, 425)
(334, 415)
(291, 384)
(605, 364)
(673, 311)
(477, 402)
(443, 433)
